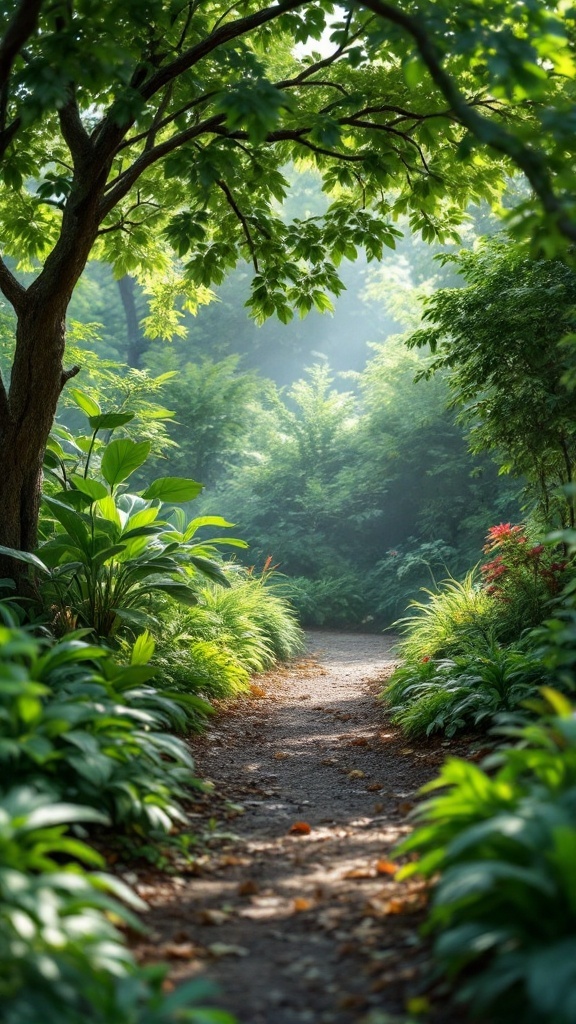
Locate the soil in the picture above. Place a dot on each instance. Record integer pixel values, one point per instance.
(290, 904)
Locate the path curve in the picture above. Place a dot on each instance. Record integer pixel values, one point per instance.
(291, 907)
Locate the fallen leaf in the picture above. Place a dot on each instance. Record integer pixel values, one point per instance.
(248, 888)
(360, 741)
(373, 787)
(386, 867)
(301, 904)
(356, 774)
(179, 951)
(280, 755)
(403, 906)
(257, 691)
(406, 806)
(360, 873)
(300, 828)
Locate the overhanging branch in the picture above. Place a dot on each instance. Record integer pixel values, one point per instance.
(528, 160)
(20, 28)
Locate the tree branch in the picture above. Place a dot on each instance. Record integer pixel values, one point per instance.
(108, 134)
(224, 187)
(528, 160)
(20, 28)
(68, 374)
(11, 288)
(73, 131)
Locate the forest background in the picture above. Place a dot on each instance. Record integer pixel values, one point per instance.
(342, 466)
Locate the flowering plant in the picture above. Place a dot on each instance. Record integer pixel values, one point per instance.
(520, 572)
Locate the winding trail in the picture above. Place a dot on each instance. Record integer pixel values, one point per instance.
(291, 906)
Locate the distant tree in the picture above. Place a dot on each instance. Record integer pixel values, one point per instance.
(141, 131)
(501, 339)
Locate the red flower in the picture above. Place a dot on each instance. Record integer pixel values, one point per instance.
(426, 658)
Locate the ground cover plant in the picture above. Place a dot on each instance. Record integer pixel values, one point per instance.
(502, 840)
(63, 960)
(468, 652)
(214, 647)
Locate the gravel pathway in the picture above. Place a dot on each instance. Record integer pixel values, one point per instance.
(292, 908)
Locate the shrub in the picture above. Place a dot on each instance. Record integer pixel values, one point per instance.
(503, 843)
(105, 551)
(330, 601)
(63, 960)
(464, 692)
(455, 616)
(214, 647)
(521, 578)
(75, 723)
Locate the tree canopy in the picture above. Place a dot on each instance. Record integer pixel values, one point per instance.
(153, 134)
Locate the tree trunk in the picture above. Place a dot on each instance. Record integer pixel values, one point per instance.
(136, 340)
(25, 423)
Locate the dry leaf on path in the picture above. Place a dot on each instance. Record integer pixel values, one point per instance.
(300, 828)
(373, 787)
(386, 867)
(248, 888)
(300, 904)
(356, 774)
(216, 917)
(180, 951)
(280, 755)
(364, 872)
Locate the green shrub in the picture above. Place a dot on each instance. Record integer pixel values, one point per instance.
(63, 961)
(456, 615)
(74, 722)
(503, 843)
(465, 692)
(331, 601)
(214, 647)
(105, 552)
(522, 578)
(205, 666)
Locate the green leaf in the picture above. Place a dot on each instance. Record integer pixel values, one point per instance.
(172, 488)
(84, 402)
(178, 591)
(110, 420)
(143, 649)
(24, 556)
(122, 457)
(92, 488)
(107, 509)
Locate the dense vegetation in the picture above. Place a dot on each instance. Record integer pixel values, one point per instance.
(191, 146)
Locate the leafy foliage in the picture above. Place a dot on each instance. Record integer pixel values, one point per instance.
(107, 551)
(214, 647)
(504, 842)
(502, 339)
(63, 960)
(466, 692)
(77, 725)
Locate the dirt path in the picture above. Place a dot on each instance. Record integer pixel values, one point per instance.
(291, 908)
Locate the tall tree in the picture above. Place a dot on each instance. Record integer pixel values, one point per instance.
(504, 341)
(151, 131)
